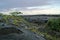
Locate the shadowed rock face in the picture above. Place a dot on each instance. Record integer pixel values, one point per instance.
(13, 33)
(9, 30)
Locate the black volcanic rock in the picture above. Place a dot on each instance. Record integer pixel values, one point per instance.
(9, 30)
(13, 33)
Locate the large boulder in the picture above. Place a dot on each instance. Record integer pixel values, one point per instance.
(9, 30)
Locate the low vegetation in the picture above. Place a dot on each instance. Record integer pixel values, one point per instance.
(50, 32)
(54, 24)
(53, 28)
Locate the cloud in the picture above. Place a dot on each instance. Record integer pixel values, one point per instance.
(7, 4)
(31, 6)
(38, 7)
(22, 3)
(34, 12)
(45, 11)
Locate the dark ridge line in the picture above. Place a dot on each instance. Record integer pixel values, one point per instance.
(58, 15)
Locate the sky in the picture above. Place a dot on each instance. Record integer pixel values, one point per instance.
(30, 7)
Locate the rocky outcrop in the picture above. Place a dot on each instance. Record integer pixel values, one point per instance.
(9, 30)
(15, 34)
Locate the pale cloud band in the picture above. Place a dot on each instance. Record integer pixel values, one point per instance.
(45, 11)
(37, 11)
(31, 7)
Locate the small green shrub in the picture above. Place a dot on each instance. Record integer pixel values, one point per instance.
(54, 24)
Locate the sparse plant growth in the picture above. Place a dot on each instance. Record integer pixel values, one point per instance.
(54, 24)
(16, 13)
(49, 30)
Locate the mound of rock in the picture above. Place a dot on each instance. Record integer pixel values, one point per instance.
(12, 33)
(9, 30)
